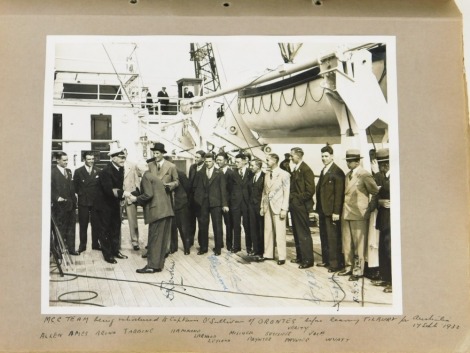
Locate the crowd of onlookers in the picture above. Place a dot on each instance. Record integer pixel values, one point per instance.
(265, 198)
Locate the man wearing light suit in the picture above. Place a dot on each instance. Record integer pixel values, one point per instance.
(131, 183)
(274, 207)
(360, 185)
(330, 196)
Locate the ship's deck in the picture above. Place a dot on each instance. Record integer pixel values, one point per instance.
(207, 281)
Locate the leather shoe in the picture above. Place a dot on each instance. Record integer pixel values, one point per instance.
(354, 278)
(234, 251)
(110, 260)
(173, 251)
(217, 253)
(303, 266)
(186, 252)
(295, 261)
(73, 252)
(334, 269)
(81, 249)
(345, 273)
(148, 270)
(379, 283)
(281, 262)
(388, 289)
(261, 259)
(136, 247)
(96, 247)
(144, 256)
(201, 252)
(322, 264)
(120, 256)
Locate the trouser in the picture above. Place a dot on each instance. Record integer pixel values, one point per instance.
(131, 211)
(228, 230)
(158, 239)
(215, 214)
(110, 231)
(331, 242)
(385, 255)
(274, 235)
(86, 214)
(65, 220)
(239, 214)
(257, 229)
(181, 222)
(302, 234)
(354, 239)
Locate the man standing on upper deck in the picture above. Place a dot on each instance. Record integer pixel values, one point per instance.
(163, 100)
(302, 189)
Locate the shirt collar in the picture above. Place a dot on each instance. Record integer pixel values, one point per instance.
(327, 167)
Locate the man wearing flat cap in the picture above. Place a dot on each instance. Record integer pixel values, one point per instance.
(359, 186)
(383, 221)
(110, 193)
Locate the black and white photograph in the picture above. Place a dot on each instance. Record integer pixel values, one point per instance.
(221, 175)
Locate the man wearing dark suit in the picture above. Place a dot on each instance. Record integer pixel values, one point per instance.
(302, 189)
(163, 99)
(382, 199)
(181, 210)
(360, 185)
(108, 205)
(330, 196)
(85, 180)
(64, 201)
(187, 93)
(256, 220)
(210, 198)
(222, 161)
(158, 213)
(193, 169)
(239, 201)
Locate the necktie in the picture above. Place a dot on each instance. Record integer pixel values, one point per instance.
(158, 166)
(350, 175)
(65, 174)
(271, 175)
(241, 173)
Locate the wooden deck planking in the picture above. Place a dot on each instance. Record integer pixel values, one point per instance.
(198, 280)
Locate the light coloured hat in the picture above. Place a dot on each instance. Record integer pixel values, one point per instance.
(353, 154)
(116, 151)
(382, 155)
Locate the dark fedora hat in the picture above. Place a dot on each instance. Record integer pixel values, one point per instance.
(382, 155)
(353, 154)
(157, 146)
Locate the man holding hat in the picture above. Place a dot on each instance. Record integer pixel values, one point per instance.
(383, 221)
(110, 193)
(360, 185)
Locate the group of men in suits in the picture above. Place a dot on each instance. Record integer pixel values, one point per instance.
(244, 196)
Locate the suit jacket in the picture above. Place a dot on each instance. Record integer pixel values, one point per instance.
(162, 95)
(330, 191)
(256, 191)
(276, 191)
(62, 187)
(86, 185)
(302, 186)
(109, 178)
(239, 188)
(357, 193)
(168, 173)
(213, 190)
(154, 199)
(131, 178)
(382, 222)
(181, 192)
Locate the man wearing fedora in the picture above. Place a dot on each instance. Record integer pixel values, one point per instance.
(360, 185)
(330, 196)
(302, 189)
(110, 194)
(383, 221)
